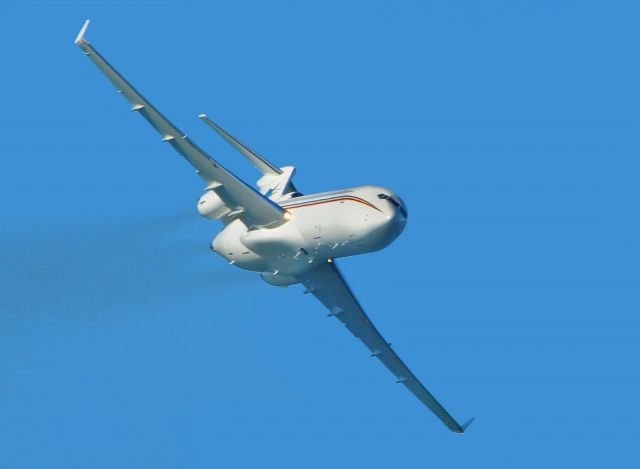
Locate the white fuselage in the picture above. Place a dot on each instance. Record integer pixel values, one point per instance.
(322, 226)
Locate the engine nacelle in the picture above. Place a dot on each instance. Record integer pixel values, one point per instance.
(278, 280)
(211, 206)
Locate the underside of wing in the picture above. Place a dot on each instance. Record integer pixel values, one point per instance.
(243, 201)
(327, 284)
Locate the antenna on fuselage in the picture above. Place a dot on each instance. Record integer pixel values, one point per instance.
(256, 160)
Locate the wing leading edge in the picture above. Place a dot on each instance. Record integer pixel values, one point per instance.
(245, 202)
(327, 284)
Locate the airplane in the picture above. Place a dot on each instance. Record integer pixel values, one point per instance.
(287, 237)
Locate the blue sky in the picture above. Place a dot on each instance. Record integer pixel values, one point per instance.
(509, 128)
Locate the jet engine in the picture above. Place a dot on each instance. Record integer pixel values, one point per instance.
(211, 206)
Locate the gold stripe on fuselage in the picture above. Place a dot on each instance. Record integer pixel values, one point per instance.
(331, 200)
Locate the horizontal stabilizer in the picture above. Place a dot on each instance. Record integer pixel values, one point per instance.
(264, 166)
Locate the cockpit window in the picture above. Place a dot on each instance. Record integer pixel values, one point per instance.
(395, 203)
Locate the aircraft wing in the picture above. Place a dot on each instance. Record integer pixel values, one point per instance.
(327, 284)
(245, 203)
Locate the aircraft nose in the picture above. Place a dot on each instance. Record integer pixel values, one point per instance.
(397, 203)
(400, 221)
(396, 211)
(401, 215)
(402, 208)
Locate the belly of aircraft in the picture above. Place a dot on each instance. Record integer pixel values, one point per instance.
(314, 234)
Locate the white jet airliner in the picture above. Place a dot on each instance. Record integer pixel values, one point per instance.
(288, 237)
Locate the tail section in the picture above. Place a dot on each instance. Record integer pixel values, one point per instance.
(275, 182)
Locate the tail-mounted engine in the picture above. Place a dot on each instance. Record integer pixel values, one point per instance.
(211, 206)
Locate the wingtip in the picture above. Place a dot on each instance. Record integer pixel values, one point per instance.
(466, 425)
(202, 116)
(80, 38)
(460, 429)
